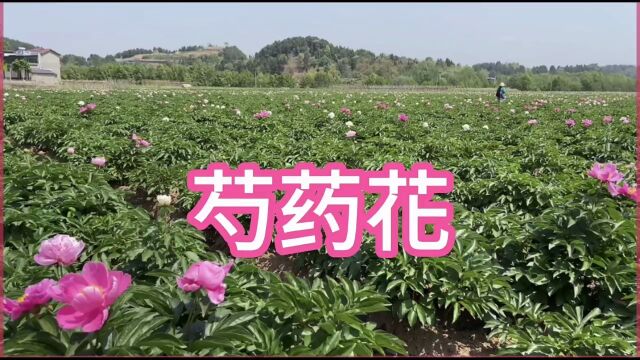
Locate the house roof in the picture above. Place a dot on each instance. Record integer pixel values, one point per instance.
(42, 51)
(42, 71)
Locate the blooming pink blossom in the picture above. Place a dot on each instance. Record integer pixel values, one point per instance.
(207, 275)
(614, 189)
(60, 249)
(71, 151)
(625, 120)
(586, 123)
(88, 295)
(351, 134)
(262, 115)
(403, 117)
(34, 296)
(607, 120)
(570, 123)
(143, 144)
(346, 111)
(624, 190)
(99, 161)
(140, 142)
(608, 173)
(87, 108)
(629, 192)
(532, 122)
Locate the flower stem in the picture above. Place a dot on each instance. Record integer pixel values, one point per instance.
(192, 313)
(57, 270)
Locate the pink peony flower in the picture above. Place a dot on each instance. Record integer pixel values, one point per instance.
(88, 295)
(99, 161)
(87, 108)
(625, 120)
(34, 296)
(262, 115)
(607, 120)
(71, 151)
(60, 249)
(403, 117)
(143, 144)
(351, 134)
(532, 122)
(628, 192)
(570, 123)
(140, 142)
(207, 275)
(614, 189)
(346, 111)
(608, 173)
(586, 123)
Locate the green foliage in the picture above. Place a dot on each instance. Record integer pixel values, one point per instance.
(544, 256)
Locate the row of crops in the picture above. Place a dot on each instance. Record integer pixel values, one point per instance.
(543, 262)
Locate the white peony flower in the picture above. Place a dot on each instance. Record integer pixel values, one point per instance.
(80, 103)
(359, 112)
(331, 115)
(425, 124)
(466, 127)
(163, 200)
(349, 123)
(486, 127)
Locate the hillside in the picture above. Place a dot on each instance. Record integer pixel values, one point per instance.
(10, 45)
(174, 57)
(314, 62)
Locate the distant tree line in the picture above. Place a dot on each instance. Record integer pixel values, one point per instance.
(314, 62)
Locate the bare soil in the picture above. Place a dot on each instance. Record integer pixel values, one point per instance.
(277, 264)
(437, 340)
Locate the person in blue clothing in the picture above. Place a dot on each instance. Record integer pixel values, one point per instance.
(501, 93)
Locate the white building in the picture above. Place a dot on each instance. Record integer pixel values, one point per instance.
(45, 66)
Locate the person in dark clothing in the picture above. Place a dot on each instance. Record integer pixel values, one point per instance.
(501, 93)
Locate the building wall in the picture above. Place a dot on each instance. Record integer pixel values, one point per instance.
(42, 79)
(50, 61)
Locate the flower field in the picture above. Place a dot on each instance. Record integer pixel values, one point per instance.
(99, 258)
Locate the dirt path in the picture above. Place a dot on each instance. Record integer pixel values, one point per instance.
(436, 340)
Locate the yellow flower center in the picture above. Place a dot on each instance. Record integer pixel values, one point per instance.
(22, 298)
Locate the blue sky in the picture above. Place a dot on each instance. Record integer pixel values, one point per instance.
(528, 33)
